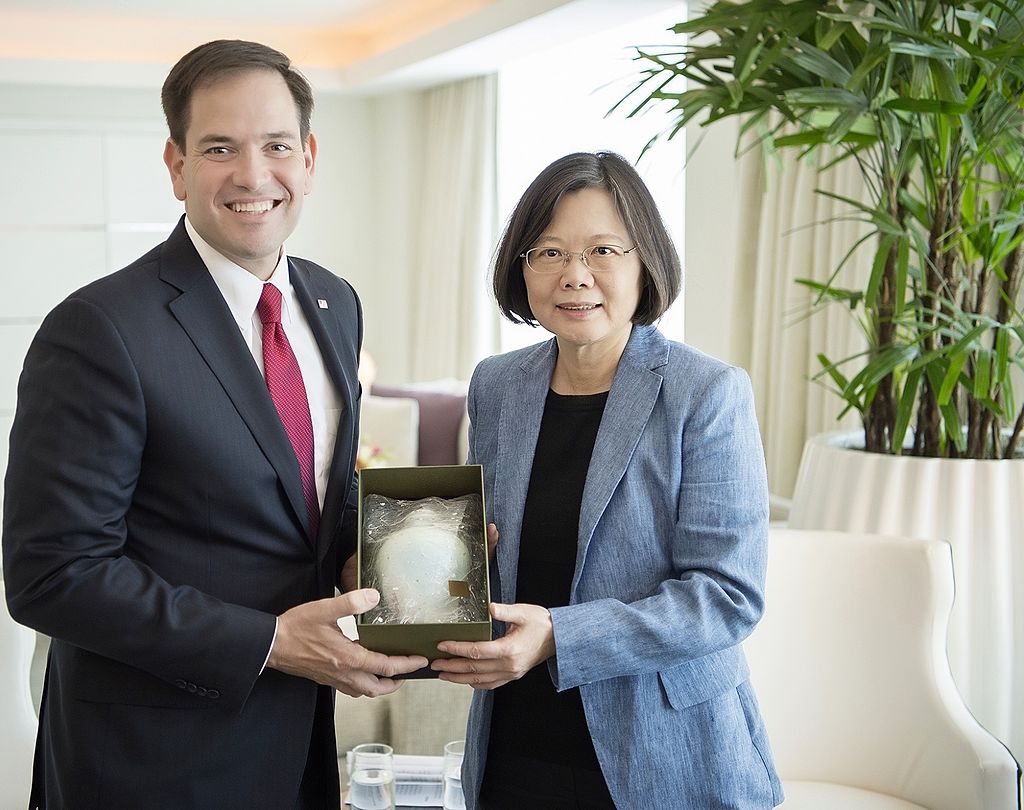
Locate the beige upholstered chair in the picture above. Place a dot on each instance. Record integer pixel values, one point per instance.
(849, 664)
(17, 717)
(389, 427)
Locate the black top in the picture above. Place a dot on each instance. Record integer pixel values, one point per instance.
(529, 715)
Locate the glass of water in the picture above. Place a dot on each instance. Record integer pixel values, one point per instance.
(371, 777)
(452, 767)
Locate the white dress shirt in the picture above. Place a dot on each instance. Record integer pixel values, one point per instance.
(242, 290)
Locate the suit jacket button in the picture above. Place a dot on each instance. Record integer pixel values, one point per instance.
(212, 693)
(201, 692)
(192, 688)
(181, 684)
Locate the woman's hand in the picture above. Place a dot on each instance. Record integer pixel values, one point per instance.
(529, 639)
(492, 539)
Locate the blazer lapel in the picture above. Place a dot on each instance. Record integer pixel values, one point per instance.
(339, 481)
(205, 317)
(631, 399)
(522, 408)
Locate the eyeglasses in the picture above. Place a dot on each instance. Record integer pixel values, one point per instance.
(598, 258)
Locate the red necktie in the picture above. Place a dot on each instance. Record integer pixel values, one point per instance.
(284, 380)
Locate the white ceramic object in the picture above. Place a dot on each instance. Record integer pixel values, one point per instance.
(415, 564)
(978, 507)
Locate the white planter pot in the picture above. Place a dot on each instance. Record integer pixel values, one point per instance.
(978, 506)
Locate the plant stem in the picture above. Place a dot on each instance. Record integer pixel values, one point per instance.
(880, 419)
(1011, 444)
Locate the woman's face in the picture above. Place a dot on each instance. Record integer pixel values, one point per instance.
(580, 306)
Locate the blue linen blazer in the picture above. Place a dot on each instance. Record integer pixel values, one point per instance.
(669, 572)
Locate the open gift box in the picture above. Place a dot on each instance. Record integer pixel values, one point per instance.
(423, 545)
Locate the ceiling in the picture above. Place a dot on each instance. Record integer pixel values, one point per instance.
(341, 45)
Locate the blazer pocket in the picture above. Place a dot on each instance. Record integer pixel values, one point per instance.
(703, 678)
(759, 737)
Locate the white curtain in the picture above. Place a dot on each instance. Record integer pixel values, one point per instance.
(783, 236)
(453, 319)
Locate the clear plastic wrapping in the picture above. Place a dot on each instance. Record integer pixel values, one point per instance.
(427, 559)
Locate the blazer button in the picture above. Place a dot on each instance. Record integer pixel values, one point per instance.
(181, 683)
(212, 693)
(201, 692)
(192, 688)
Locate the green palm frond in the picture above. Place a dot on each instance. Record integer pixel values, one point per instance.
(926, 97)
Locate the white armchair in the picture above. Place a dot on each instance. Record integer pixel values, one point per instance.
(17, 717)
(849, 664)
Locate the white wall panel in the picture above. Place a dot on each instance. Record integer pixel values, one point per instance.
(138, 186)
(52, 178)
(6, 422)
(124, 247)
(15, 338)
(45, 266)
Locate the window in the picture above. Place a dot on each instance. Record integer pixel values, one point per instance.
(574, 84)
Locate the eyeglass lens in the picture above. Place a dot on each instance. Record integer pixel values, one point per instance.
(596, 257)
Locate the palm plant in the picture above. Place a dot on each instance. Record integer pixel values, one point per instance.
(926, 97)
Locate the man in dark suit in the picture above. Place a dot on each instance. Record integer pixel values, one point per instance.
(180, 494)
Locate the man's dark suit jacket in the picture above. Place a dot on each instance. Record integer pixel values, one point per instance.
(154, 526)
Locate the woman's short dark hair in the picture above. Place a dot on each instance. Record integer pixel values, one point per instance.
(661, 271)
(211, 62)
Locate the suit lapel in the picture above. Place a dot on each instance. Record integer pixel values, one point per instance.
(522, 408)
(206, 318)
(340, 478)
(631, 399)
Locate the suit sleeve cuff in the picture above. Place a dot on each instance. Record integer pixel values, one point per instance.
(271, 649)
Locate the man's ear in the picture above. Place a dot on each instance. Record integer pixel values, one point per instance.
(174, 159)
(309, 152)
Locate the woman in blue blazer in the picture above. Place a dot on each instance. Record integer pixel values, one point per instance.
(626, 477)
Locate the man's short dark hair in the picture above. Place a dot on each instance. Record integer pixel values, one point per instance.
(215, 60)
(661, 272)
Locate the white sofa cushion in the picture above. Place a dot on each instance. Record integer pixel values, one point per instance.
(820, 795)
(389, 430)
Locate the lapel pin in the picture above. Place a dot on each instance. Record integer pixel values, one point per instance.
(322, 303)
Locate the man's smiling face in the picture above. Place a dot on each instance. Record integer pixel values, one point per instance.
(243, 170)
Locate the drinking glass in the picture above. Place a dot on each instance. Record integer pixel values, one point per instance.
(452, 768)
(371, 784)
